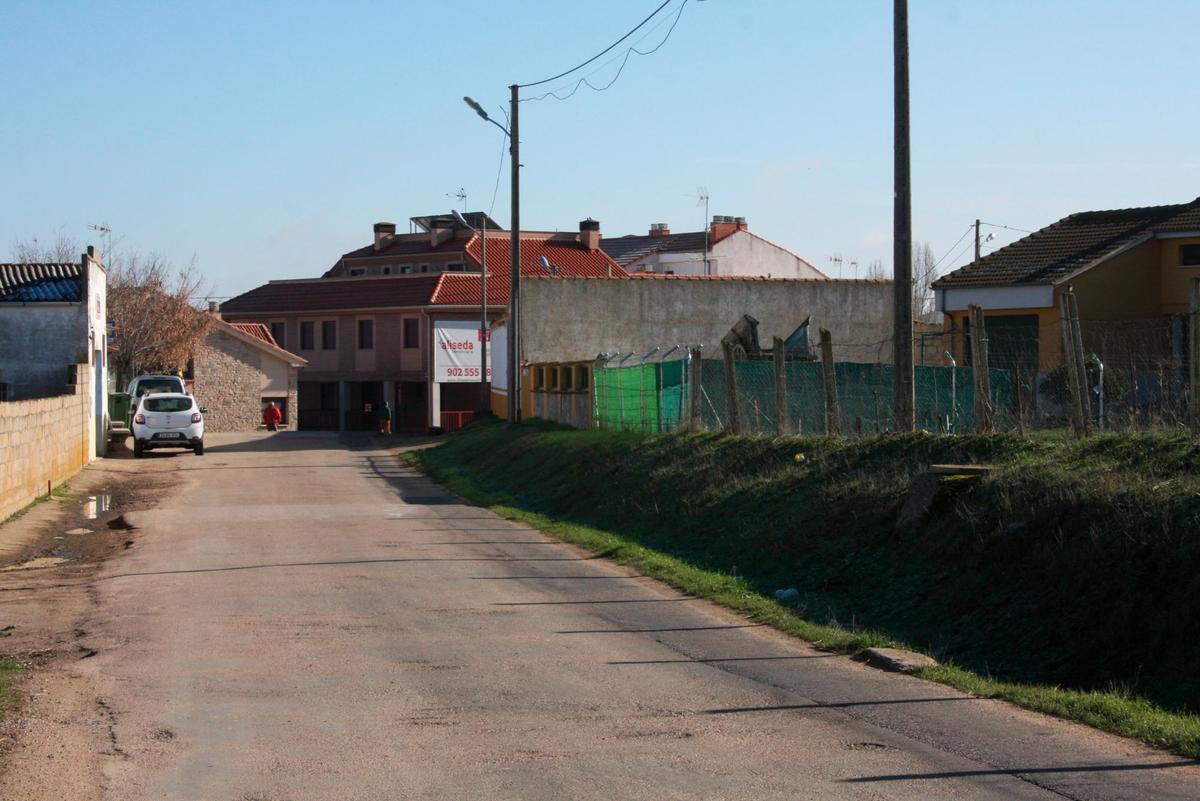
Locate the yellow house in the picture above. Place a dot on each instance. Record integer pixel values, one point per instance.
(1131, 271)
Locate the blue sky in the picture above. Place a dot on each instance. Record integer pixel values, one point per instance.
(265, 138)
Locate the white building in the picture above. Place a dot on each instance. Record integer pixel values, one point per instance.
(727, 248)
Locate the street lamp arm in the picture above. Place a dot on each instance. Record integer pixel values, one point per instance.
(480, 111)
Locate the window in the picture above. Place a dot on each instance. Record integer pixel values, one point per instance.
(306, 335)
(387, 270)
(329, 335)
(161, 404)
(356, 271)
(406, 269)
(279, 333)
(412, 332)
(366, 334)
(1189, 255)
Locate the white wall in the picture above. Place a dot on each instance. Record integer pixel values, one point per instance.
(741, 253)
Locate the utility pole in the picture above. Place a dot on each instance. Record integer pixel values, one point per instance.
(902, 374)
(514, 302)
(977, 242)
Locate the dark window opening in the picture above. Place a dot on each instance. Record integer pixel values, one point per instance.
(1189, 255)
(329, 334)
(366, 334)
(412, 332)
(279, 333)
(306, 335)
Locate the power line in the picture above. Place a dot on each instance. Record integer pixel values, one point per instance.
(500, 168)
(1008, 227)
(625, 60)
(952, 247)
(601, 53)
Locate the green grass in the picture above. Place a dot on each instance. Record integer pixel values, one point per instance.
(59, 493)
(9, 671)
(1067, 581)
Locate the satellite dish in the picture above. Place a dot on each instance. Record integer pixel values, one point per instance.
(542, 260)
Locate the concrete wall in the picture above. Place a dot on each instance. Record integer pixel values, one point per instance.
(566, 319)
(746, 254)
(38, 343)
(44, 442)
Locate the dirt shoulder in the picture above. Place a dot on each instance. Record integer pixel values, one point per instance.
(53, 739)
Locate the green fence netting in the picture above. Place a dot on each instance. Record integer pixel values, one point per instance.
(653, 398)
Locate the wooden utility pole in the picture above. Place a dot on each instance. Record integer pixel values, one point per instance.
(902, 335)
(833, 413)
(1194, 359)
(1073, 363)
(782, 424)
(733, 423)
(981, 378)
(514, 292)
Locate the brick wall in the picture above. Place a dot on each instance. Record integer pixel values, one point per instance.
(228, 382)
(43, 441)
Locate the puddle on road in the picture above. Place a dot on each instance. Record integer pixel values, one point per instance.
(97, 505)
(41, 561)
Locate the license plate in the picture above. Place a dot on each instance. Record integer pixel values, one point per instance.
(168, 436)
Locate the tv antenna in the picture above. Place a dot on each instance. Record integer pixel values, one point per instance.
(702, 200)
(105, 232)
(836, 260)
(461, 194)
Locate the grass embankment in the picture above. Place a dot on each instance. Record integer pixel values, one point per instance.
(1066, 581)
(9, 671)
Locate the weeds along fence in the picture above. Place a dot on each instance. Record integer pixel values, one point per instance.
(1035, 372)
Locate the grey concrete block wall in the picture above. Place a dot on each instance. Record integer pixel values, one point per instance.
(569, 319)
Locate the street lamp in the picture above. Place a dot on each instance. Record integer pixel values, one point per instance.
(484, 404)
(514, 295)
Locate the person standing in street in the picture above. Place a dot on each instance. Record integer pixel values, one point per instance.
(272, 416)
(385, 418)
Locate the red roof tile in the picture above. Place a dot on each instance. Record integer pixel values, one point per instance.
(332, 294)
(262, 334)
(565, 254)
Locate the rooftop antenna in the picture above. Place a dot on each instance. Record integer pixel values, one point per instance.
(836, 260)
(105, 232)
(854, 266)
(702, 200)
(461, 194)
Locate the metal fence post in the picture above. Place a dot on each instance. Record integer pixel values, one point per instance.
(733, 416)
(695, 390)
(833, 412)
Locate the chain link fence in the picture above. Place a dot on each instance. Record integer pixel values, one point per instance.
(1042, 372)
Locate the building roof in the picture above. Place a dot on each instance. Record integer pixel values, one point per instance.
(259, 335)
(331, 294)
(625, 250)
(1073, 243)
(473, 218)
(41, 283)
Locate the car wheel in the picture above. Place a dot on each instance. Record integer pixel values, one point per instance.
(198, 448)
(137, 449)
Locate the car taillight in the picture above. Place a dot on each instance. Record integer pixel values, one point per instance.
(139, 418)
(195, 417)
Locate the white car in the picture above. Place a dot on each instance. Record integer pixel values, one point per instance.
(168, 420)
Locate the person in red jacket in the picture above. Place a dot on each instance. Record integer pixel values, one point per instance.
(272, 416)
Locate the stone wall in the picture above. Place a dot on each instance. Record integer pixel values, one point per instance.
(43, 442)
(228, 382)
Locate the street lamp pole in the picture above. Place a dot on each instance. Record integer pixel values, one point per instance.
(902, 373)
(484, 404)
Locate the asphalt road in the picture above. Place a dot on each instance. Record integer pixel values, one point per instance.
(305, 618)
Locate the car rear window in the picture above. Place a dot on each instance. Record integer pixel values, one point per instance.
(162, 385)
(168, 404)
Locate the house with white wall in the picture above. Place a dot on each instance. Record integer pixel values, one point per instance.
(727, 248)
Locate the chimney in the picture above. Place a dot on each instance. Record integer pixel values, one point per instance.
(384, 231)
(660, 229)
(440, 230)
(589, 234)
(723, 226)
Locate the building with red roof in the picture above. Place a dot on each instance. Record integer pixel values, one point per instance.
(397, 320)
